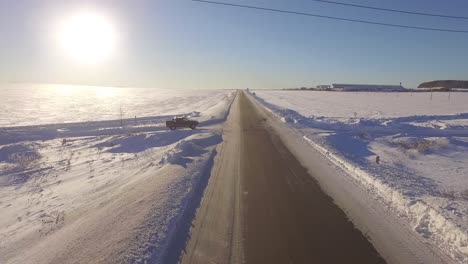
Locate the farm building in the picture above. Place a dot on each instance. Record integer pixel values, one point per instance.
(324, 86)
(367, 87)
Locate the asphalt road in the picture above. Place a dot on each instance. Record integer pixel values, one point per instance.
(262, 206)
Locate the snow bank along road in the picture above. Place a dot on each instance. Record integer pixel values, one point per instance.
(262, 206)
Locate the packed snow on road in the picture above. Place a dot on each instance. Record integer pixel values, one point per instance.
(410, 150)
(91, 173)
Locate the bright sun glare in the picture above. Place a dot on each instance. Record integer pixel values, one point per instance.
(87, 37)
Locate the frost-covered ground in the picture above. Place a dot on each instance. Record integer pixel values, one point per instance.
(75, 186)
(422, 142)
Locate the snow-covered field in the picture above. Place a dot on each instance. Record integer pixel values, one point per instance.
(421, 140)
(30, 104)
(68, 169)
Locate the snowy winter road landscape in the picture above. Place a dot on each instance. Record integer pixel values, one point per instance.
(233, 131)
(91, 175)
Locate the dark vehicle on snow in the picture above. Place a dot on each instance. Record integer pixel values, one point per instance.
(181, 122)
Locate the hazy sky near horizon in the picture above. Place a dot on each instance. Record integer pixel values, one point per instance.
(185, 44)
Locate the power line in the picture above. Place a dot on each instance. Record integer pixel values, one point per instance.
(331, 17)
(391, 10)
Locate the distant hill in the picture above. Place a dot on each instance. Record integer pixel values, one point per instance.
(445, 84)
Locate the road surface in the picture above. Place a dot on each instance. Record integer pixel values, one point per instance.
(262, 206)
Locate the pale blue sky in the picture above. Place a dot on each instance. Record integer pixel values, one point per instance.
(185, 44)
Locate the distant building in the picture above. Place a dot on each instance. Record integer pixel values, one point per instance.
(324, 86)
(367, 87)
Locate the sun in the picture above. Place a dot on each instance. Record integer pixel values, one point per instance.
(87, 37)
